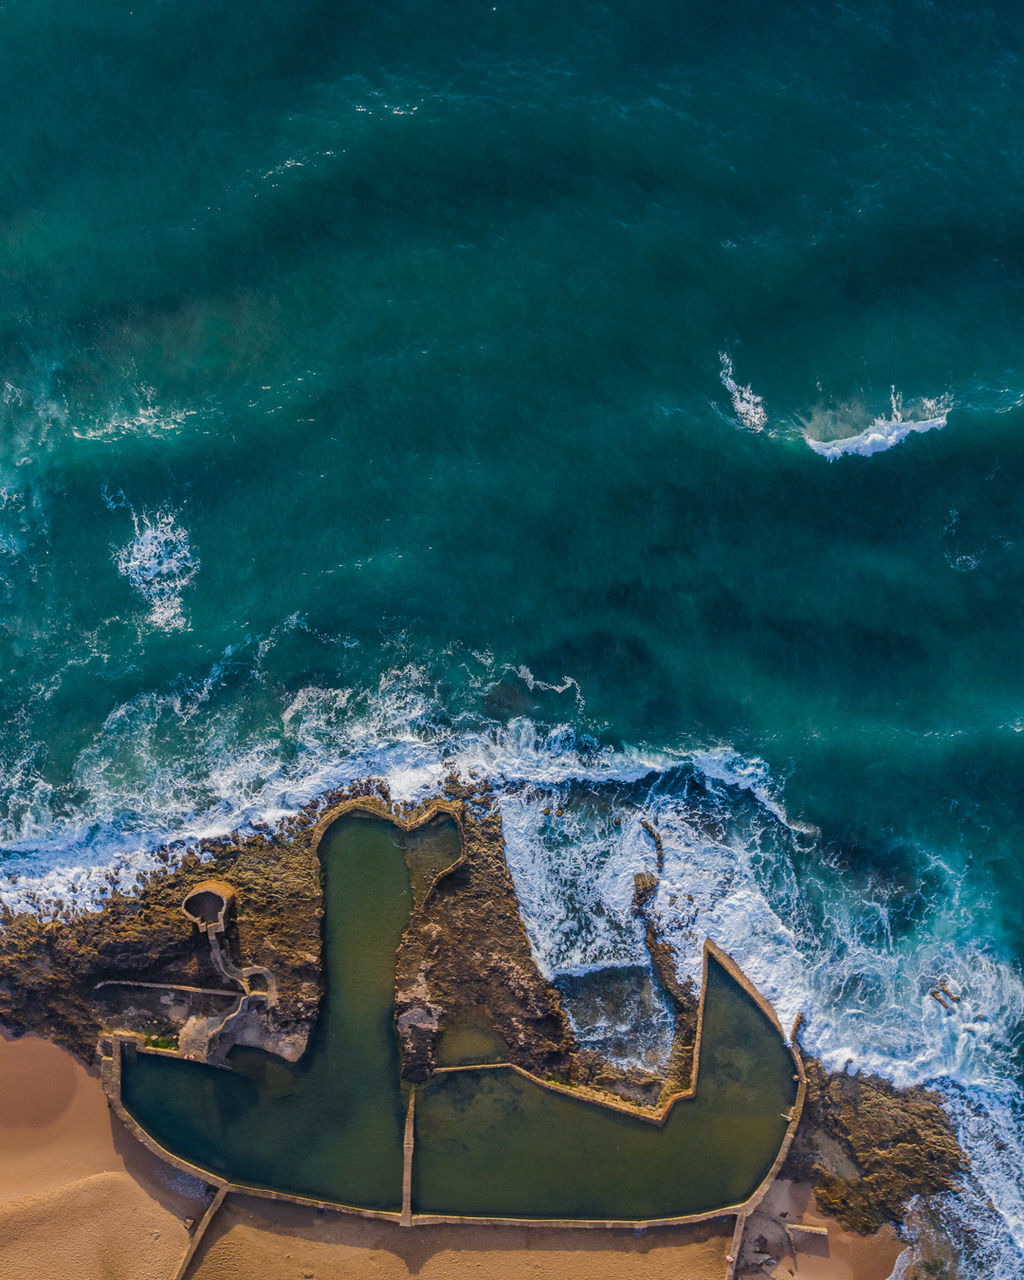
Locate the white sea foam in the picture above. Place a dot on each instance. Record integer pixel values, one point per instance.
(181, 764)
(38, 413)
(747, 405)
(159, 562)
(990, 1125)
(884, 432)
(33, 414)
(863, 990)
(902, 1266)
(138, 412)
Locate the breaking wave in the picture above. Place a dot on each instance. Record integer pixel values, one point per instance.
(883, 433)
(190, 761)
(159, 562)
(747, 405)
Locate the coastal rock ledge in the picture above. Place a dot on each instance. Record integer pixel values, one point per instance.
(138, 966)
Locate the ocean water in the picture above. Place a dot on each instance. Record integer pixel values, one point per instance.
(625, 404)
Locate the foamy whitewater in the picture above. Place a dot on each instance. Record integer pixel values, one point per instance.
(747, 405)
(383, 391)
(882, 434)
(728, 844)
(159, 562)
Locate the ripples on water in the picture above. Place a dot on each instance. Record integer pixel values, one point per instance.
(623, 404)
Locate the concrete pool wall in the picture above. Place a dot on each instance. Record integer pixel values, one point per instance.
(113, 1048)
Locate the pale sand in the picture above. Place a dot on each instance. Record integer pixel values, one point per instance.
(253, 1238)
(841, 1255)
(79, 1199)
(82, 1200)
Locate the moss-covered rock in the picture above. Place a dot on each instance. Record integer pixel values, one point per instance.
(869, 1147)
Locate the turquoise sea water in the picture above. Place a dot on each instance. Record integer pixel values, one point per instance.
(627, 404)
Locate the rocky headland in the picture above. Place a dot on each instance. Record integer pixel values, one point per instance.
(137, 966)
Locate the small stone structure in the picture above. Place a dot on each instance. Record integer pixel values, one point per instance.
(208, 904)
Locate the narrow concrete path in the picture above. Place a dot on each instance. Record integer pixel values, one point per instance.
(167, 986)
(407, 1150)
(200, 1231)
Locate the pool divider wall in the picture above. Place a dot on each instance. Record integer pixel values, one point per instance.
(408, 1146)
(113, 1044)
(740, 1210)
(658, 1116)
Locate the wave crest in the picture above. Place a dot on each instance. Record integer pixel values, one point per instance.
(747, 405)
(159, 562)
(883, 433)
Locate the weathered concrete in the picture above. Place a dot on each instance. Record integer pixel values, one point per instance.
(200, 1231)
(408, 1148)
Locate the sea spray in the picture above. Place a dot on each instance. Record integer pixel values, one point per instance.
(747, 405)
(573, 814)
(883, 432)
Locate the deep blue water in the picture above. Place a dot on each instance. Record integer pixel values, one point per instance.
(626, 403)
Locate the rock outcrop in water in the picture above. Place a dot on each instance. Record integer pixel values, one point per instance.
(684, 997)
(52, 971)
(869, 1147)
(464, 960)
(465, 951)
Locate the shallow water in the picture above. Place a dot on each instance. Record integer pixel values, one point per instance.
(386, 386)
(332, 1124)
(487, 1143)
(491, 1144)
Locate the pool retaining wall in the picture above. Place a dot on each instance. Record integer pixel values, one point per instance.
(111, 1048)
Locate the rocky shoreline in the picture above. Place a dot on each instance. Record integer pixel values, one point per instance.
(866, 1147)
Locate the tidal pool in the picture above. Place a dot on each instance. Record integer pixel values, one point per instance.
(330, 1125)
(489, 1142)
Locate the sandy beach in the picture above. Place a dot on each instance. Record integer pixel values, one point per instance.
(254, 1238)
(79, 1197)
(807, 1255)
(81, 1200)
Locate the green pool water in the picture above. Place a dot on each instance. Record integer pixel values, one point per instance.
(488, 1142)
(331, 1125)
(492, 1143)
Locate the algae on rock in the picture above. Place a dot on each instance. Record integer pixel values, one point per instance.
(869, 1147)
